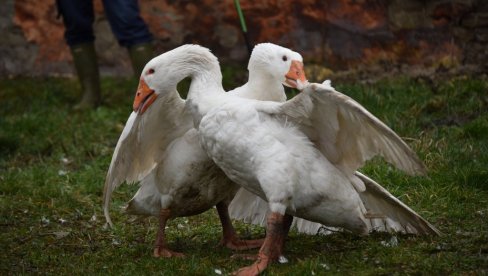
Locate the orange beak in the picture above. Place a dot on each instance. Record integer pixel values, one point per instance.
(145, 96)
(295, 77)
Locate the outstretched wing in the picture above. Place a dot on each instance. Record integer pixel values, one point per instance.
(345, 132)
(143, 142)
(388, 213)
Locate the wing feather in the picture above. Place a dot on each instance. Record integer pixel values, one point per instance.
(394, 215)
(143, 142)
(345, 132)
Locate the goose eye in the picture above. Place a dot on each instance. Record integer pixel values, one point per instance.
(284, 58)
(150, 71)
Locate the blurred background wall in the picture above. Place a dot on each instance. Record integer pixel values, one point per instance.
(343, 35)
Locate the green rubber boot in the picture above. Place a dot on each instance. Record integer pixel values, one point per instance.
(85, 59)
(140, 54)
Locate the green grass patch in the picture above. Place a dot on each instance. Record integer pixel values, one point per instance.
(53, 163)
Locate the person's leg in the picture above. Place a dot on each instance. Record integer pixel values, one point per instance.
(85, 59)
(140, 54)
(131, 31)
(78, 17)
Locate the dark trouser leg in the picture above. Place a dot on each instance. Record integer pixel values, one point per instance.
(78, 17)
(131, 31)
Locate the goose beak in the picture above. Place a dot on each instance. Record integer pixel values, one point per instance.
(295, 77)
(145, 96)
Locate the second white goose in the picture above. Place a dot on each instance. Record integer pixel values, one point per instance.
(301, 155)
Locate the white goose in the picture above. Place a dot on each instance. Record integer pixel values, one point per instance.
(301, 155)
(184, 180)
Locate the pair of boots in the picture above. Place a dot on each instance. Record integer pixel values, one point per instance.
(85, 59)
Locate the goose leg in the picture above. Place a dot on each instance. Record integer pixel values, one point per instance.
(287, 221)
(278, 226)
(160, 247)
(230, 239)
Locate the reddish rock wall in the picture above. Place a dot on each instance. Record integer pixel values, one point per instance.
(341, 34)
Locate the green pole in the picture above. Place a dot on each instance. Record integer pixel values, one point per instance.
(243, 25)
(241, 15)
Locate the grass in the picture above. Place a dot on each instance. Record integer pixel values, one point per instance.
(53, 163)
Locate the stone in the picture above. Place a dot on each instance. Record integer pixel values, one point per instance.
(481, 35)
(443, 13)
(475, 20)
(408, 14)
(462, 34)
(228, 35)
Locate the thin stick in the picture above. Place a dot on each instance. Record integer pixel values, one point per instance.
(243, 25)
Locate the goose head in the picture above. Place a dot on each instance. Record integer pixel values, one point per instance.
(278, 63)
(162, 74)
